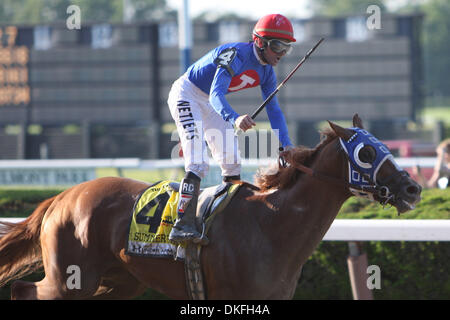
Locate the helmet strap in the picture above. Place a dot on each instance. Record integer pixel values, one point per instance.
(261, 49)
(263, 58)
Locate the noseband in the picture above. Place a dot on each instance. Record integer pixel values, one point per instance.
(362, 180)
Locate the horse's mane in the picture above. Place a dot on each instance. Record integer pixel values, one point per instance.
(285, 177)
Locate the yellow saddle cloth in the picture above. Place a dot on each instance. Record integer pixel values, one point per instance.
(154, 214)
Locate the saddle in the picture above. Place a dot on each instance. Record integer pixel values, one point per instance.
(210, 201)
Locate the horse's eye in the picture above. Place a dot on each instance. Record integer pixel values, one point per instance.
(367, 154)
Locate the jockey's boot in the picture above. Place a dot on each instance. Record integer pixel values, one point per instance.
(185, 228)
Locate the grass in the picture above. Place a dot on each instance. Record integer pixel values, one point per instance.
(435, 204)
(432, 114)
(149, 176)
(21, 201)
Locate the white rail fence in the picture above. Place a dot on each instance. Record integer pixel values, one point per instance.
(375, 230)
(389, 230)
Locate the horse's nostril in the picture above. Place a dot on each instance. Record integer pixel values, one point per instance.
(412, 190)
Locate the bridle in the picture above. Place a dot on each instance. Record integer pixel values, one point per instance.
(370, 189)
(379, 193)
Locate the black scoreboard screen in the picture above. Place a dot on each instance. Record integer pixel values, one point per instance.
(122, 74)
(14, 87)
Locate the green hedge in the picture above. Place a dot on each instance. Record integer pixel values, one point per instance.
(409, 270)
(20, 202)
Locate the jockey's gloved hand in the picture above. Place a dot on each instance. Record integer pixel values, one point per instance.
(244, 122)
(282, 151)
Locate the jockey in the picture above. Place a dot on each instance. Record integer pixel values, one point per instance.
(197, 104)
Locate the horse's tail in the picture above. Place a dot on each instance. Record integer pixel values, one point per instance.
(20, 252)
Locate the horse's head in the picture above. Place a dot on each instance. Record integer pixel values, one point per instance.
(372, 171)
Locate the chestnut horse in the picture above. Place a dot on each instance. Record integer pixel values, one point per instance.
(257, 245)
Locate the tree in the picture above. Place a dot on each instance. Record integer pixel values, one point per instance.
(109, 11)
(146, 10)
(435, 43)
(344, 7)
(437, 47)
(33, 11)
(113, 10)
(100, 10)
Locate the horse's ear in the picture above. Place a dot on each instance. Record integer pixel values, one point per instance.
(345, 134)
(357, 122)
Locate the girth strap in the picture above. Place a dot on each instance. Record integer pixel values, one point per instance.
(193, 271)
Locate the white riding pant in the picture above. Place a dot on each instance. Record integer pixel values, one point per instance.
(197, 122)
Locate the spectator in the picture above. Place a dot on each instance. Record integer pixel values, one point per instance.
(441, 173)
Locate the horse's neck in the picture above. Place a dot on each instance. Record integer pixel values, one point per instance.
(307, 212)
(314, 199)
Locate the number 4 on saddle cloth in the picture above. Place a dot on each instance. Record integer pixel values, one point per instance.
(155, 212)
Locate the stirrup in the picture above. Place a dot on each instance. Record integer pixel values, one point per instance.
(177, 234)
(203, 240)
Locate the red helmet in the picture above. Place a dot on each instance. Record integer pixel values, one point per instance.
(274, 26)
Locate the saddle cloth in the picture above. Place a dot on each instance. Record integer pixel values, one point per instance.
(155, 212)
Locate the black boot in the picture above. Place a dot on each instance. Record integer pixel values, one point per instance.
(185, 228)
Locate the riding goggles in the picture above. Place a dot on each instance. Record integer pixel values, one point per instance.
(276, 45)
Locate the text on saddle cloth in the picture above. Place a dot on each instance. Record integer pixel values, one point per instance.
(155, 212)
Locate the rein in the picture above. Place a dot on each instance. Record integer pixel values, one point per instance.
(374, 189)
(379, 193)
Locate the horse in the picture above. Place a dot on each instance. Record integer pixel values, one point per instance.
(257, 245)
